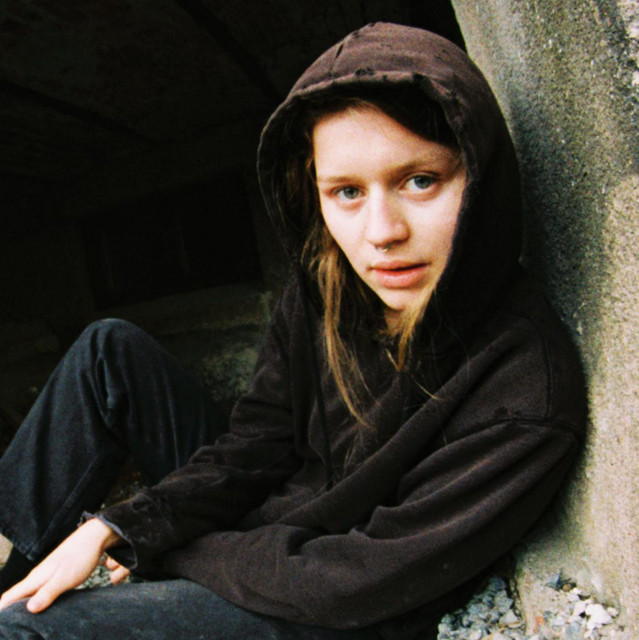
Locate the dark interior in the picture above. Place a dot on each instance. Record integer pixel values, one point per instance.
(128, 131)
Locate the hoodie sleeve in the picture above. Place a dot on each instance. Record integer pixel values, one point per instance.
(222, 482)
(453, 514)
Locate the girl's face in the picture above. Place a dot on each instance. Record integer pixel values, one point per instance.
(390, 199)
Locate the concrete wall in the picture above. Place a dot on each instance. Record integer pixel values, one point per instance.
(565, 73)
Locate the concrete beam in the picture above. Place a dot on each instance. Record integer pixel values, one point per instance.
(566, 76)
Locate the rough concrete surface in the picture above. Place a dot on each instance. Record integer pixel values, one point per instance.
(566, 76)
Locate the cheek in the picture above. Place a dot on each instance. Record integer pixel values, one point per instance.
(345, 236)
(336, 225)
(447, 225)
(447, 235)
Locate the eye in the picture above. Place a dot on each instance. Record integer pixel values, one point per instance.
(348, 193)
(419, 183)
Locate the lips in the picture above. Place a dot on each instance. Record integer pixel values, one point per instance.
(398, 274)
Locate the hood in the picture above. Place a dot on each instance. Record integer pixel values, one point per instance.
(487, 241)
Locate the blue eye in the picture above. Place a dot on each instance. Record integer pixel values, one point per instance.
(419, 183)
(348, 193)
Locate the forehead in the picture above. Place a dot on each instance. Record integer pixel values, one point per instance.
(365, 136)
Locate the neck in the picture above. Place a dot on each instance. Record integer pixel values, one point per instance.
(393, 319)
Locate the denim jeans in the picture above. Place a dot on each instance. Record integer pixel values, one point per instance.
(166, 610)
(116, 392)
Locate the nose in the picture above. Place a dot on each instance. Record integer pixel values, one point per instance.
(385, 221)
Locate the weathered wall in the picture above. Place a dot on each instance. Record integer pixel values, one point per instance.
(565, 73)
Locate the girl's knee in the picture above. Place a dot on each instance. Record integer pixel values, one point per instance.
(16, 623)
(111, 333)
(110, 326)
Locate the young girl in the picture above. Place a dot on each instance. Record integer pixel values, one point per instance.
(414, 409)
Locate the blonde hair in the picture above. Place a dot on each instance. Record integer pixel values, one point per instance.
(325, 262)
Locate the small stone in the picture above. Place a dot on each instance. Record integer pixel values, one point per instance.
(504, 603)
(509, 618)
(493, 617)
(477, 610)
(487, 599)
(496, 584)
(612, 611)
(443, 629)
(597, 616)
(476, 634)
(579, 608)
(555, 582)
(558, 620)
(573, 631)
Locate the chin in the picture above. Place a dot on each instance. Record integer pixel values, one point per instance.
(399, 304)
(406, 302)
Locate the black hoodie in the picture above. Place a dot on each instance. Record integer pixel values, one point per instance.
(451, 479)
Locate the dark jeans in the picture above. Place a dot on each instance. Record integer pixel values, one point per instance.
(116, 392)
(168, 610)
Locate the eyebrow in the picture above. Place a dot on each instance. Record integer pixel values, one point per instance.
(332, 179)
(416, 165)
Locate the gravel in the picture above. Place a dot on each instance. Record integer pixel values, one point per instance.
(493, 614)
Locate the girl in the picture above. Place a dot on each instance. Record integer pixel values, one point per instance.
(414, 409)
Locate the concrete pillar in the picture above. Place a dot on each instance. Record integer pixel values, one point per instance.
(566, 75)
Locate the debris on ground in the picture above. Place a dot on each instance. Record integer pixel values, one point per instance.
(493, 614)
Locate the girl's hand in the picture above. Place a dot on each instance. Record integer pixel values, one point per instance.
(65, 568)
(118, 572)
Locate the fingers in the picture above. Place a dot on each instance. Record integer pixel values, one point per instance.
(67, 567)
(43, 598)
(41, 586)
(119, 574)
(22, 589)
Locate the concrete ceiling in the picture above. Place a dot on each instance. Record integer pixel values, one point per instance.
(85, 84)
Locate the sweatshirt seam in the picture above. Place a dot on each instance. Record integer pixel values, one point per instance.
(532, 421)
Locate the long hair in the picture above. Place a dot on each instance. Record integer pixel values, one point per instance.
(324, 261)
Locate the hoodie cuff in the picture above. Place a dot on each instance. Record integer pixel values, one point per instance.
(145, 530)
(122, 552)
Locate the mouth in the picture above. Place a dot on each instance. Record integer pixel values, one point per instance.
(399, 275)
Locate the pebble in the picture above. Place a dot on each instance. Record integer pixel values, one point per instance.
(509, 618)
(574, 631)
(597, 616)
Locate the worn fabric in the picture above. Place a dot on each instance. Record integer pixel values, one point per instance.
(457, 457)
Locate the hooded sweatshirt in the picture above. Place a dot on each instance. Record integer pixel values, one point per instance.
(300, 512)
